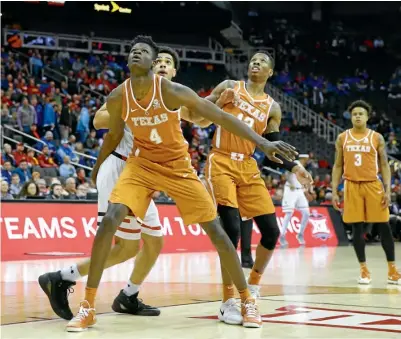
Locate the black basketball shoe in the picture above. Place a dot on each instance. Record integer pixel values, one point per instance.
(57, 290)
(133, 305)
(246, 261)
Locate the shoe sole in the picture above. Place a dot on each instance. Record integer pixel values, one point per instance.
(229, 322)
(364, 282)
(393, 282)
(43, 281)
(252, 325)
(117, 309)
(78, 329)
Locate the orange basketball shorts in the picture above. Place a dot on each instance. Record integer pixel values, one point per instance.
(363, 202)
(237, 183)
(141, 178)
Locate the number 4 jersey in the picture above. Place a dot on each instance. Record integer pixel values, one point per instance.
(360, 155)
(157, 130)
(252, 111)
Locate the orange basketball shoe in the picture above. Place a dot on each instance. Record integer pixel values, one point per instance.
(364, 278)
(85, 318)
(250, 314)
(394, 277)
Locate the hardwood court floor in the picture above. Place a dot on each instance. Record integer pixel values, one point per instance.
(307, 293)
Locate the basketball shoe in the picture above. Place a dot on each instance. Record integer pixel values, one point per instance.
(57, 290)
(133, 305)
(364, 278)
(250, 314)
(246, 261)
(394, 277)
(230, 313)
(301, 240)
(85, 318)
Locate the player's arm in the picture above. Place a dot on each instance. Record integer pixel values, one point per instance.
(272, 133)
(116, 129)
(385, 171)
(337, 173)
(102, 117)
(179, 95)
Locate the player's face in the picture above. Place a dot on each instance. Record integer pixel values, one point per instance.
(164, 66)
(359, 117)
(260, 66)
(140, 56)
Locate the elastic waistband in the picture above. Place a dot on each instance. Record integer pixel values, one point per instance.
(118, 155)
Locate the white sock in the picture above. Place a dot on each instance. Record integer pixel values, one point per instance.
(286, 222)
(71, 273)
(131, 289)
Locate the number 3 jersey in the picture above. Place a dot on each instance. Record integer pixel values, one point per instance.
(157, 130)
(360, 155)
(252, 111)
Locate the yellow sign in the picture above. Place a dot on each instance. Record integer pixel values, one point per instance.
(114, 8)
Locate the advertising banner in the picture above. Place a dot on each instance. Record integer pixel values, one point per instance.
(33, 230)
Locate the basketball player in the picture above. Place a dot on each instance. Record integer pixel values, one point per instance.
(160, 161)
(294, 198)
(233, 176)
(359, 153)
(129, 233)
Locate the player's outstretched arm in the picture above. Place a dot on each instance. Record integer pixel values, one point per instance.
(102, 117)
(272, 133)
(116, 129)
(385, 171)
(337, 173)
(178, 95)
(187, 115)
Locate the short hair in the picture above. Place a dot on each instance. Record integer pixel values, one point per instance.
(272, 61)
(146, 39)
(173, 53)
(362, 104)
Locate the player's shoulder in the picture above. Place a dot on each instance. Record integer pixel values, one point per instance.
(377, 136)
(341, 136)
(116, 92)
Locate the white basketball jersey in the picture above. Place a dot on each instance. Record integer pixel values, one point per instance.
(127, 142)
(292, 179)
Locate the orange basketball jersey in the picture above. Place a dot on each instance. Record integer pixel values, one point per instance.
(253, 111)
(157, 130)
(360, 156)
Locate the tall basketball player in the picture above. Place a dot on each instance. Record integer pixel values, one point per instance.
(233, 176)
(294, 198)
(360, 153)
(129, 233)
(160, 161)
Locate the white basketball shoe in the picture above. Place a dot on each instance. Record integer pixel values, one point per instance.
(230, 312)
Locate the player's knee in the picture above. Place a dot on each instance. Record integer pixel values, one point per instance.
(231, 222)
(114, 216)
(218, 236)
(269, 230)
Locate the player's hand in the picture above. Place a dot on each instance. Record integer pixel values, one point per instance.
(303, 176)
(271, 148)
(386, 200)
(335, 199)
(228, 96)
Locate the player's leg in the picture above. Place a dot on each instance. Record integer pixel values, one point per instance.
(246, 241)
(196, 206)
(57, 285)
(254, 201)
(152, 235)
(302, 205)
(128, 194)
(222, 189)
(288, 205)
(354, 214)
(377, 213)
